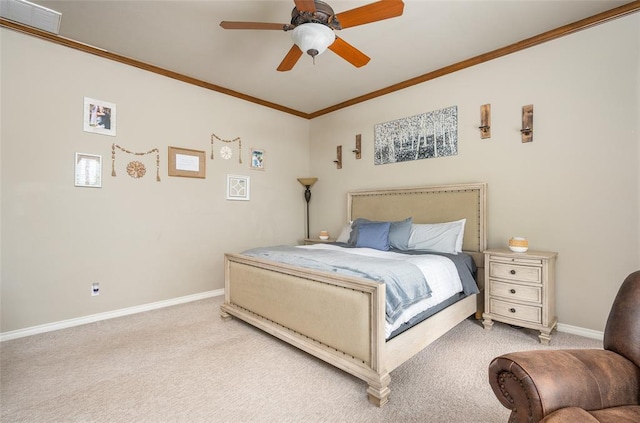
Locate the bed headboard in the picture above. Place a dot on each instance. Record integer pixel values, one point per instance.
(434, 204)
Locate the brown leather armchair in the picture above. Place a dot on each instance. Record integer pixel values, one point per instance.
(584, 386)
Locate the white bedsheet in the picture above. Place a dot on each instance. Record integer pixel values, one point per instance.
(440, 272)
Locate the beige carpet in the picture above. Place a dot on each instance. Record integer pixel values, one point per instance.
(185, 364)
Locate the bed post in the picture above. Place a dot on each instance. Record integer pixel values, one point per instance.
(378, 393)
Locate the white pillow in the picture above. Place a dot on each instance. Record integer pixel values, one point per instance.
(460, 236)
(345, 233)
(443, 237)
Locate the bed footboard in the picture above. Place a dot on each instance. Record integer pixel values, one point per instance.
(335, 318)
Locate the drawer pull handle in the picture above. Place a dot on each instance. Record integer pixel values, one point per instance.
(513, 310)
(513, 272)
(513, 291)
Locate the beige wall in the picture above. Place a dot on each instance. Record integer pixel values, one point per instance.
(143, 241)
(573, 190)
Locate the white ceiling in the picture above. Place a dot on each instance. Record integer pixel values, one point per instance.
(185, 37)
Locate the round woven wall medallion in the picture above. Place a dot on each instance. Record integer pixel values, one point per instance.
(226, 152)
(136, 169)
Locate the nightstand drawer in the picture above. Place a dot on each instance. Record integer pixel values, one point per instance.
(516, 311)
(517, 259)
(512, 291)
(515, 272)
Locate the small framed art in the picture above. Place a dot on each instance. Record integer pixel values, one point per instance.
(186, 162)
(88, 170)
(257, 159)
(99, 117)
(238, 187)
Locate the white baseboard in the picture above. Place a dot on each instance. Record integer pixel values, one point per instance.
(575, 330)
(34, 330)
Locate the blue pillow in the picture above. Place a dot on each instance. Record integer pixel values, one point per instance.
(374, 235)
(399, 232)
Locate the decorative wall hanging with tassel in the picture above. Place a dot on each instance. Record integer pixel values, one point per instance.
(226, 151)
(135, 169)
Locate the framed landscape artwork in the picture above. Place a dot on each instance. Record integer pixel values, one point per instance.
(424, 136)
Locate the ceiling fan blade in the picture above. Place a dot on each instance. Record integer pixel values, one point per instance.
(290, 59)
(305, 5)
(349, 53)
(251, 25)
(372, 12)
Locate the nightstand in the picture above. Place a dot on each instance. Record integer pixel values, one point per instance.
(520, 290)
(309, 241)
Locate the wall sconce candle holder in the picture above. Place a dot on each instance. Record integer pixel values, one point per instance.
(527, 123)
(338, 160)
(485, 121)
(358, 149)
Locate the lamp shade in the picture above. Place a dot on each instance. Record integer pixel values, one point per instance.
(307, 182)
(313, 38)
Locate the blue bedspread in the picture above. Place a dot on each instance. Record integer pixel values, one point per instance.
(405, 283)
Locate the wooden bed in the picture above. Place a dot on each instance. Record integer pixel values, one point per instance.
(341, 319)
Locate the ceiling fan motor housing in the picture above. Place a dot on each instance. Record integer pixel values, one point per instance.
(323, 15)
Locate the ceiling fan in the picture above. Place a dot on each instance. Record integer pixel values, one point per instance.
(313, 23)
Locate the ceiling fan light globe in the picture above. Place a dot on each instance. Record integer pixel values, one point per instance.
(313, 38)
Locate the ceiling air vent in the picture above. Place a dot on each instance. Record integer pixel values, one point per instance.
(31, 14)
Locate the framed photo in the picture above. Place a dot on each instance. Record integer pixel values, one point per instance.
(257, 159)
(238, 187)
(99, 117)
(88, 170)
(187, 163)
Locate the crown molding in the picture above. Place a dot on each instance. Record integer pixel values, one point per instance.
(553, 34)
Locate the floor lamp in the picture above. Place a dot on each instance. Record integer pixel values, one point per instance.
(307, 183)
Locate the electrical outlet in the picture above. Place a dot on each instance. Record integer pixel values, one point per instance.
(95, 289)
